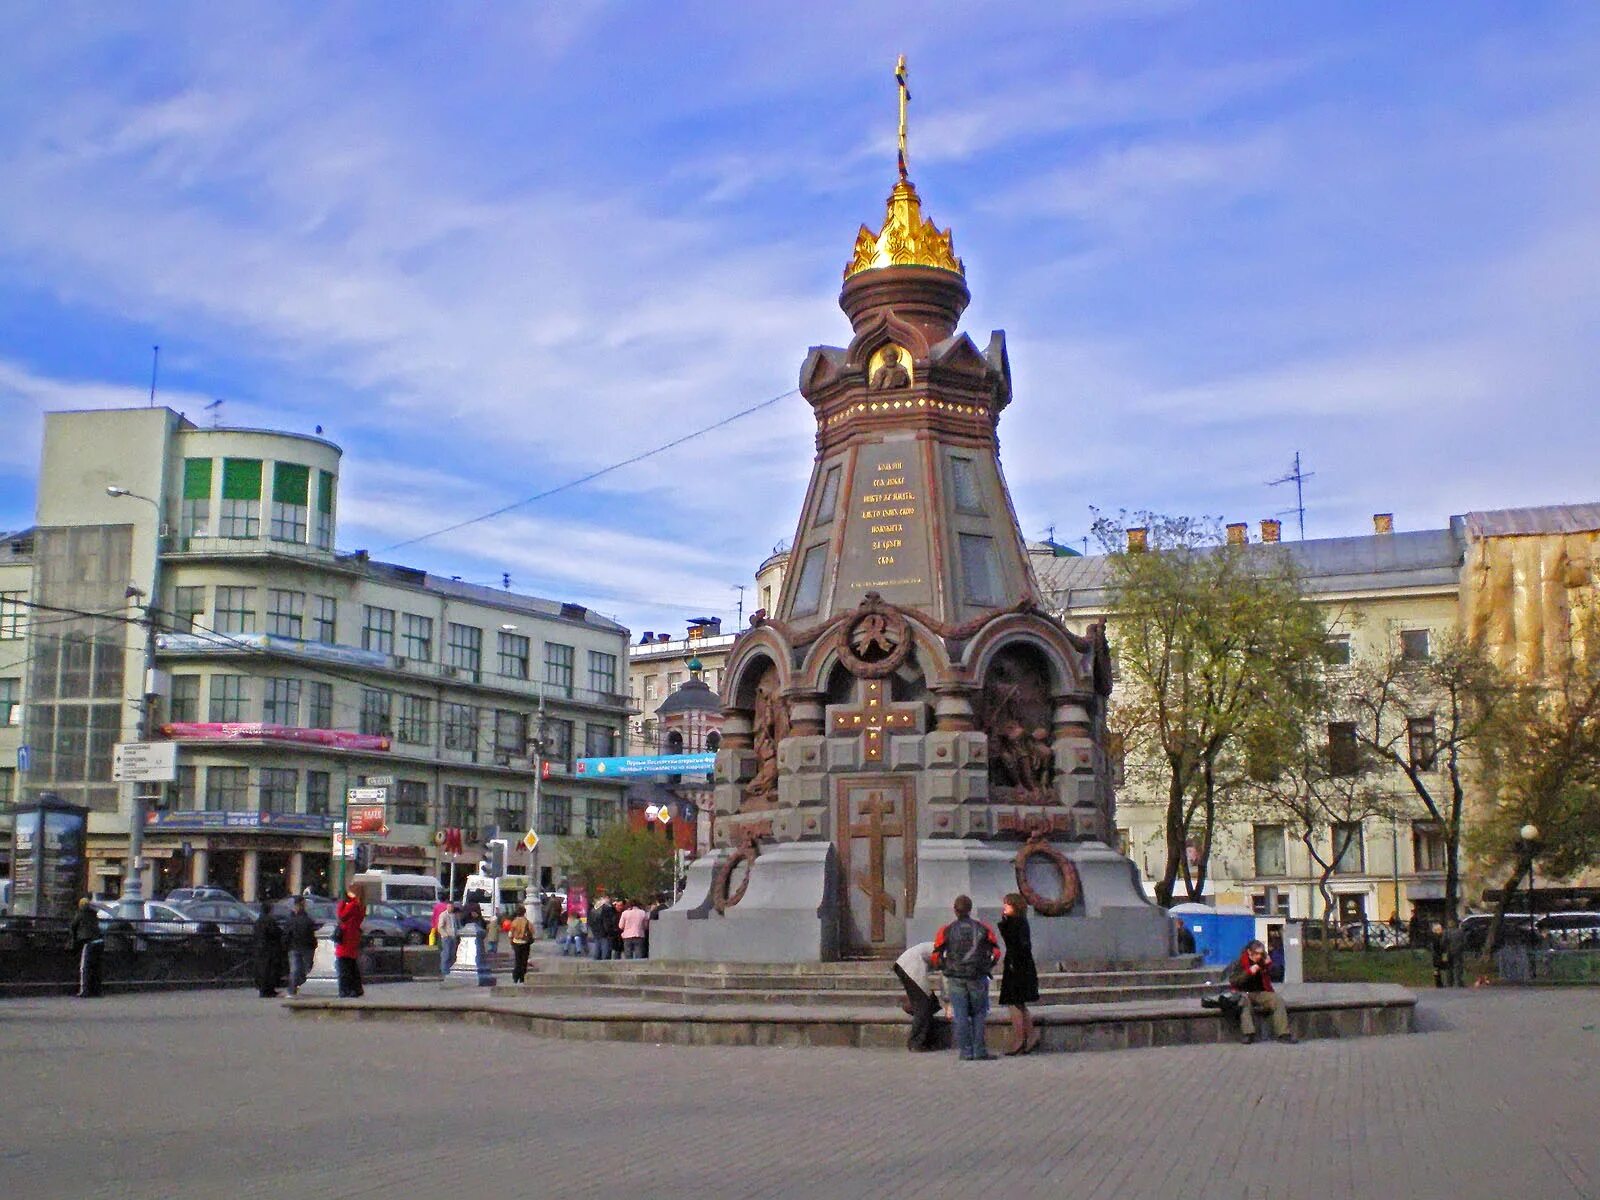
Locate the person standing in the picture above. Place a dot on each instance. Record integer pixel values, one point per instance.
(1252, 979)
(554, 913)
(88, 942)
(635, 927)
(449, 931)
(267, 948)
(600, 919)
(966, 950)
(301, 936)
(914, 969)
(1019, 978)
(347, 949)
(521, 935)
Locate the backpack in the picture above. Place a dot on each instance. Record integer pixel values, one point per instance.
(968, 950)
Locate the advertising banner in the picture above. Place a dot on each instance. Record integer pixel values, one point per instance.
(648, 764)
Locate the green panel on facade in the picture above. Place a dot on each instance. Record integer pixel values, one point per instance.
(325, 491)
(290, 483)
(241, 479)
(197, 479)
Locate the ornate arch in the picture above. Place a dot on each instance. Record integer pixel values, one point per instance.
(1070, 670)
(758, 649)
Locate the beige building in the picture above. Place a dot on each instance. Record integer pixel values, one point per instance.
(286, 672)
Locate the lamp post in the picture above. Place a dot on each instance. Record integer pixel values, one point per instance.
(1528, 844)
(132, 903)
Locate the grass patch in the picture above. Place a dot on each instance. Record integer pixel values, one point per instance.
(1410, 968)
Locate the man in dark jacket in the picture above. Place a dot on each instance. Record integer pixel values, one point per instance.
(87, 943)
(602, 928)
(1252, 979)
(301, 935)
(268, 945)
(966, 950)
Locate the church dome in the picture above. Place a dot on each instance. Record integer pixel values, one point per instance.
(694, 696)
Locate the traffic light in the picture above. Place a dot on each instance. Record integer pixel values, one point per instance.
(495, 859)
(363, 856)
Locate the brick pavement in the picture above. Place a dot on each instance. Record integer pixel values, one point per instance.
(223, 1095)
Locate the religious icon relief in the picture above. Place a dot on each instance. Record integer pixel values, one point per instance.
(1014, 710)
(770, 727)
(890, 372)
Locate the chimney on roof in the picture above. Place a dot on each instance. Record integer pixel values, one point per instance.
(1238, 533)
(649, 636)
(1271, 529)
(1138, 539)
(1382, 522)
(663, 637)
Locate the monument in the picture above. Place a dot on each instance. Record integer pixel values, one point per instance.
(910, 723)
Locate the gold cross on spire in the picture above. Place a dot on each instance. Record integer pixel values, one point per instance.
(905, 97)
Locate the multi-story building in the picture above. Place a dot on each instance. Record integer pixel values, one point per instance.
(286, 672)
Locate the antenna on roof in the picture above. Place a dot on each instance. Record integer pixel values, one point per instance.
(739, 587)
(505, 580)
(215, 409)
(1297, 477)
(155, 363)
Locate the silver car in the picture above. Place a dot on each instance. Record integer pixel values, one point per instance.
(158, 920)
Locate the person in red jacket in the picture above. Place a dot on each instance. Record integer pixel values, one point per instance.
(347, 947)
(1252, 979)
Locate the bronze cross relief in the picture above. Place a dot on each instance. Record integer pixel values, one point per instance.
(875, 717)
(873, 826)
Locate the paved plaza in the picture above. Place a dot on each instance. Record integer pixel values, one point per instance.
(222, 1095)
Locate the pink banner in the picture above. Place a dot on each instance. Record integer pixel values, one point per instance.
(237, 731)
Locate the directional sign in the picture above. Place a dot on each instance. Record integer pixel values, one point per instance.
(366, 795)
(649, 764)
(144, 762)
(530, 840)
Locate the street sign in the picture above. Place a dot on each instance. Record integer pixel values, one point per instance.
(530, 840)
(24, 757)
(144, 762)
(658, 812)
(380, 781)
(366, 795)
(341, 847)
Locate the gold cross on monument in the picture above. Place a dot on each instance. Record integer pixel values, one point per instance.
(874, 809)
(872, 719)
(905, 98)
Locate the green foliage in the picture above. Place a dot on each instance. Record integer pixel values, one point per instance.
(621, 861)
(1410, 968)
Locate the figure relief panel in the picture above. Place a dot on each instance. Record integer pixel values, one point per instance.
(1015, 711)
(769, 726)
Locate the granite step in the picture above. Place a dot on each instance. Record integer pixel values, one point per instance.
(887, 998)
(883, 979)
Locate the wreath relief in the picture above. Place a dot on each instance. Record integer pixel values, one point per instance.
(722, 898)
(1037, 847)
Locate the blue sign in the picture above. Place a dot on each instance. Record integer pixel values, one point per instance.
(648, 764)
(24, 757)
(269, 821)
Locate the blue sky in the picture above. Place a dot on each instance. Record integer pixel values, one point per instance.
(491, 247)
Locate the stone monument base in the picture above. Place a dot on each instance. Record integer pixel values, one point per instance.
(788, 912)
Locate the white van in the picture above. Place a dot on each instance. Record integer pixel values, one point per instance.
(391, 886)
(504, 893)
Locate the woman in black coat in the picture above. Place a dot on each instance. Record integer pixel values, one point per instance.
(268, 947)
(1019, 978)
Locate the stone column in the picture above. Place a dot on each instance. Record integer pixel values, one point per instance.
(738, 729)
(297, 866)
(805, 713)
(199, 865)
(952, 708)
(249, 875)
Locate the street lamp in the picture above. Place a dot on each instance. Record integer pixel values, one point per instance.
(132, 903)
(1528, 844)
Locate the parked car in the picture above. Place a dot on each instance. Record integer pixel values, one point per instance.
(158, 920)
(416, 926)
(187, 895)
(232, 918)
(1376, 935)
(1572, 930)
(376, 930)
(1475, 930)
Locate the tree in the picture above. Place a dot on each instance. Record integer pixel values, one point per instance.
(1459, 691)
(1542, 765)
(1211, 641)
(636, 863)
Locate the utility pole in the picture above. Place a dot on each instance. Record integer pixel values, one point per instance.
(1297, 477)
(739, 624)
(538, 775)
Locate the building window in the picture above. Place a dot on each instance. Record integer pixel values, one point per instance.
(187, 604)
(318, 790)
(558, 743)
(194, 516)
(13, 615)
(377, 629)
(1271, 856)
(286, 613)
(227, 789)
(510, 811)
(510, 732)
(1421, 743)
(279, 787)
(1427, 846)
(602, 672)
(324, 531)
(1414, 646)
(324, 619)
(464, 650)
(416, 716)
(291, 486)
(674, 681)
(600, 813)
(416, 638)
(1349, 855)
(410, 802)
(555, 815)
(1270, 904)
(1336, 650)
(10, 704)
(651, 687)
(461, 807)
(808, 590)
(829, 500)
(460, 728)
(599, 741)
(964, 486)
(515, 654)
(980, 569)
(236, 610)
(282, 703)
(1344, 756)
(185, 703)
(241, 498)
(558, 669)
(188, 796)
(230, 698)
(376, 709)
(319, 708)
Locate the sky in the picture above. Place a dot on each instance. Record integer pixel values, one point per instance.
(493, 248)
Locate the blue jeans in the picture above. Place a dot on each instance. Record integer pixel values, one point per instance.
(969, 1005)
(447, 953)
(299, 968)
(602, 949)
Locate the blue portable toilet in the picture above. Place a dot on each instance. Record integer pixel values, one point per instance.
(1220, 934)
